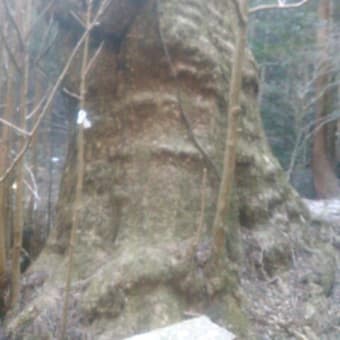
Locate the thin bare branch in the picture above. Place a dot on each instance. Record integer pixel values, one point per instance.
(71, 94)
(322, 93)
(34, 186)
(4, 68)
(14, 24)
(37, 108)
(200, 222)
(44, 51)
(276, 6)
(307, 132)
(34, 193)
(39, 18)
(45, 36)
(94, 58)
(78, 19)
(9, 51)
(14, 127)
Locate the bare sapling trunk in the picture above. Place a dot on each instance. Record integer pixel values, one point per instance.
(4, 151)
(85, 65)
(20, 190)
(2, 207)
(234, 109)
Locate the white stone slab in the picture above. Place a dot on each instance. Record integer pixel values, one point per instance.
(201, 328)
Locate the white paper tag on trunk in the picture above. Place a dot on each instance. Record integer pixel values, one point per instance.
(83, 120)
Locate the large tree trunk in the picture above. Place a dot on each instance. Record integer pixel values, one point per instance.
(135, 266)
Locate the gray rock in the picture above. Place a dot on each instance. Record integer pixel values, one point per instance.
(201, 328)
(327, 211)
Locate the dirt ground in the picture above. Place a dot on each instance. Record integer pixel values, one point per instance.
(303, 303)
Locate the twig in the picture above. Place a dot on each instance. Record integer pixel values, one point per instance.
(9, 51)
(44, 41)
(94, 58)
(200, 223)
(34, 183)
(78, 19)
(276, 6)
(36, 109)
(303, 136)
(38, 18)
(183, 114)
(34, 193)
(44, 51)
(202, 209)
(70, 93)
(14, 24)
(4, 68)
(15, 127)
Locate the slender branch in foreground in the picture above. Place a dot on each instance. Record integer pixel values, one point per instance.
(234, 110)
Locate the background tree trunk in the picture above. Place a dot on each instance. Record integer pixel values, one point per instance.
(325, 180)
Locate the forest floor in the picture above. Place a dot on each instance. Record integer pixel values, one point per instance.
(303, 303)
